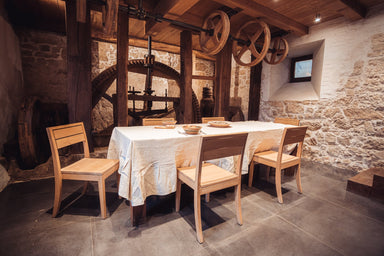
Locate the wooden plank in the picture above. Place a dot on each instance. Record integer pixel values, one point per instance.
(355, 10)
(64, 142)
(152, 98)
(170, 9)
(270, 16)
(122, 68)
(81, 10)
(204, 77)
(186, 76)
(254, 92)
(223, 81)
(68, 131)
(112, 7)
(79, 68)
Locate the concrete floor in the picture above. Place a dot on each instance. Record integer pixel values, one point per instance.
(325, 220)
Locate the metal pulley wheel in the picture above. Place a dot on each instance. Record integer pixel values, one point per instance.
(218, 23)
(278, 52)
(257, 36)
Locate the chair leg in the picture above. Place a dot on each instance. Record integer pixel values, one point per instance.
(85, 188)
(239, 216)
(298, 180)
(268, 172)
(199, 230)
(278, 185)
(118, 182)
(103, 204)
(57, 200)
(250, 174)
(178, 195)
(207, 197)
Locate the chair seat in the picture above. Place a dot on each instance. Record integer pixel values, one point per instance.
(270, 158)
(92, 166)
(210, 174)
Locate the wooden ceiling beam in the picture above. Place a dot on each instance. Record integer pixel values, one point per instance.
(170, 9)
(354, 9)
(270, 16)
(137, 42)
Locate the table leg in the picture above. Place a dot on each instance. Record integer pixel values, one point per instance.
(138, 214)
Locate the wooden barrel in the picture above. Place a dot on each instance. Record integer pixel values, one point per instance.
(34, 117)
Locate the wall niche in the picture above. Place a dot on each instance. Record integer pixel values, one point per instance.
(276, 78)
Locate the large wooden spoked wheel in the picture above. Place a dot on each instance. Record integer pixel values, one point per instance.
(278, 52)
(218, 22)
(258, 51)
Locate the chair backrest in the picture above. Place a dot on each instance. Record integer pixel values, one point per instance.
(219, 146)
(283, 120)
(63, 136)
(205, 120)
(156, 121)
(292, 135)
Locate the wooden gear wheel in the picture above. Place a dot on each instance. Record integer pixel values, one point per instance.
(218, 22)
(103, 81)
(257, 49)
(278, 52)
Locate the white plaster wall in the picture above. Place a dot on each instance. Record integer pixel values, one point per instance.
(346, 123)
(345, 43)
(11, 82)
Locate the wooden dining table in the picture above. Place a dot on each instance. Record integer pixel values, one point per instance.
(149, 155)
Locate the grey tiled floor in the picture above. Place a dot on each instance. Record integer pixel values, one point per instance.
(325, 220)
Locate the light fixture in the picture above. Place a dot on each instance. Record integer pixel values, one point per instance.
(317, 18)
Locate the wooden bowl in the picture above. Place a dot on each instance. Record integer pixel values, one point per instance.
(192, 129)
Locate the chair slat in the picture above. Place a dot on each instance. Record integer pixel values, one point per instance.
(283, 120)
(67, 131)
(223, 145)
(205, 120)
(156, 121)
(294, 135)
(67, 141)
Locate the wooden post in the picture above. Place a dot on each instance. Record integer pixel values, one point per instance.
(254, 92)
(122, 69)
(223, 81)
(186, 76)
(79, 69)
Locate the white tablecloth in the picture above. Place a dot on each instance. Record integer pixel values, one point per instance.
(149, 157)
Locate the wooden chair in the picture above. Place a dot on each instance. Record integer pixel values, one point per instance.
(279, 160)
(291, 149)
(205, 120)
(87, 169)
(206, 178)
(156, 121)
(283, 120)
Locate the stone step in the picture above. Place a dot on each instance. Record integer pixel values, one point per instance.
(369, 183)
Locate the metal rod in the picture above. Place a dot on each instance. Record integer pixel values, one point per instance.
(133, 11)
(149, 45)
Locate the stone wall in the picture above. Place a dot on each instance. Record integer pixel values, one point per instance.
(346, 126)
(44, 65)
(240, 79)
(11, 89)
(11, 82)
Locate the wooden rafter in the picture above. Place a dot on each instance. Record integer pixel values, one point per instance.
(170, 9)
(111, 9)
(270, 16)
(354, 9)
